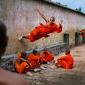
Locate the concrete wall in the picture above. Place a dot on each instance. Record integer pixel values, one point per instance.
(20, 18)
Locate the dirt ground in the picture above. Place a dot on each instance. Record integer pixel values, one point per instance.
(58, 76)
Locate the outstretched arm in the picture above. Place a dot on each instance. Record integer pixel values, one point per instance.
(42, 15)
(60, 25)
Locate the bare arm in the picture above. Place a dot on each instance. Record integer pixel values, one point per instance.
(42, 15)
(60, 25)
(23, 59)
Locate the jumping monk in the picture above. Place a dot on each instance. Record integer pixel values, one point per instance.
(43, 30)
(46, 56)
(21, 64)
(66, 61)
(34, 60)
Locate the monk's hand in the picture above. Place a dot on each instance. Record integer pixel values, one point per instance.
(60, 25)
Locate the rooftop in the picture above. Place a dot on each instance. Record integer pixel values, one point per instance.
(63, 6)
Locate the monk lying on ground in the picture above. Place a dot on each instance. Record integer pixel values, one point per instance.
(43, 30)
(66, 61)
(46, 56)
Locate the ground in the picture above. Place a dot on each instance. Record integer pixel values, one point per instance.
(58, 76)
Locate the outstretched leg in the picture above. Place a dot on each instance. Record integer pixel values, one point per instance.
(25, 37)
(20, 38)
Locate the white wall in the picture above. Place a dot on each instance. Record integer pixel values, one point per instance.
(21, 18)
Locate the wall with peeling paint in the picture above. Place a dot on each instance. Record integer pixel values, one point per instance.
(20, 18)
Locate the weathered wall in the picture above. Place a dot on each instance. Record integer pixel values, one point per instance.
(20, 18)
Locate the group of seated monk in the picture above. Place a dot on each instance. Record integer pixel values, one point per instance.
(25, 62)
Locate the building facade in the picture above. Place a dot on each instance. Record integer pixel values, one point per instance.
(20, 18)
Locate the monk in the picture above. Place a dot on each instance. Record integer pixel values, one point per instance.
(34, 59)
(43, 30)
(22, 55)
(83, 33)
(21, 64)
(6, 77)
(46, 56)
(66, 61)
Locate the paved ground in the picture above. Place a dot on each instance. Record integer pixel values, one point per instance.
(57, 76)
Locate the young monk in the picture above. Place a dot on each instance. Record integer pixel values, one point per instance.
(46, 56)
(21, 64)
(22, 55)
(66, 61)
(34, 59)
(43, 30)
(6, 77)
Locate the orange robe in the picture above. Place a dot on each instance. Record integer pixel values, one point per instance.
(19, 55)
(21, 68)
(34, 61)
(51, 28)
(43, 31)
(66, 62)
(46, 57)
(83, 33)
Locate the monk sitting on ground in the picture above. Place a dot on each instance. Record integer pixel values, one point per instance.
(66, 61)
(34, 60)
(46, 56)
(21, 64)
(43, 30)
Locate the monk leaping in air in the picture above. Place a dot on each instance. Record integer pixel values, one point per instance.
(43, 30)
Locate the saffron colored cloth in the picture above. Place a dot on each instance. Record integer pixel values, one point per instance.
(34, 61)
(65, 62)
(83, 33)
(46, 56)
(43, 31)
(19, 55)
(21, 68)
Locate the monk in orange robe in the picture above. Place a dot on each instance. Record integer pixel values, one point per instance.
(66, 61)
(43, 30)
(46, 56)
(83, 33)
(34, 60)
(21, 65)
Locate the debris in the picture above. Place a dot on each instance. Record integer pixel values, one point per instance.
(37, 70)
(29, 74)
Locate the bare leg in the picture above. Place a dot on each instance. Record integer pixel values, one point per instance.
(21, 37)
(26, 37)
